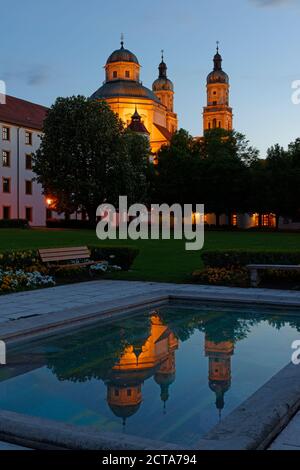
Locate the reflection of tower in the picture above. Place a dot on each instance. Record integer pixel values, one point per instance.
(138, 362)
(124, 398)
(165, 376)
(219, 368)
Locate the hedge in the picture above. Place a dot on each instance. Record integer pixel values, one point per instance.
(119, 256)
(71, 223)
(230, 258)
(14, 223)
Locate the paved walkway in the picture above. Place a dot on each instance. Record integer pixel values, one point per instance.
(289, 438)
(44, 301)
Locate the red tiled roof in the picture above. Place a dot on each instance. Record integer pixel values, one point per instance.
(164, 131)
(22, 113)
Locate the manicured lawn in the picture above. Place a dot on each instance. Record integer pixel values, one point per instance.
(159, 260)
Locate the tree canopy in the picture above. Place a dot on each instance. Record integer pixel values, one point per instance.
(86, 157)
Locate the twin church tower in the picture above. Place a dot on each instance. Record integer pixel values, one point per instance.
(151, 112)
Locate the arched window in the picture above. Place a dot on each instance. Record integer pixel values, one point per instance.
(115, 74)
(214, 123)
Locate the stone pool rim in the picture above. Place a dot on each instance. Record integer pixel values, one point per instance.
(252, 425)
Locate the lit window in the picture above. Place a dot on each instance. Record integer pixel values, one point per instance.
(28, 138)
(28, 161)
(28, 187)
(28, 214)
(5, 133)
(6, 212)
(6, 185)
(234, 220)
(5, 158)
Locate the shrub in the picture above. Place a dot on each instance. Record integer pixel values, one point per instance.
(14, 223)
(230, 258)
(120, 256)
(20, 259)
(223, 276)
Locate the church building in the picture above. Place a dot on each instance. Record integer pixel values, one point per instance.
(129, 98)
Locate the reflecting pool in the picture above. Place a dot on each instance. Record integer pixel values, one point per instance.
(167, 374)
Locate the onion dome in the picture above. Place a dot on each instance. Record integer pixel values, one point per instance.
(126, 88)
(122, 55)
(162, 82)
(217, 75)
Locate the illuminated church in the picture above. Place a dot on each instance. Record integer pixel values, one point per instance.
(151, 111)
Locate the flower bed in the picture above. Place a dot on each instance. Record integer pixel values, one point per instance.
(13, 281)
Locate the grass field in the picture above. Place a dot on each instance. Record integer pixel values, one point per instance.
(159, 260)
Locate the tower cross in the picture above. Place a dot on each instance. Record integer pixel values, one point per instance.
(218, 43)
(122, 39)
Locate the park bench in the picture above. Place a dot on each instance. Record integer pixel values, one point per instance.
(63, 257)
(255, 268)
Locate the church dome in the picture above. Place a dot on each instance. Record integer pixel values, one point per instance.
(122, 55)
(162, 82)
(124, 88)
(217, 75)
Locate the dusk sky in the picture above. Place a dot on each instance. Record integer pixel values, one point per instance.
(58, 48)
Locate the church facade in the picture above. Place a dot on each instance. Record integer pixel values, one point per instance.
(127, 96)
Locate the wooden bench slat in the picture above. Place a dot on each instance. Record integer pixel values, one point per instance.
(65, 253)
(62, 250)
(53, 256)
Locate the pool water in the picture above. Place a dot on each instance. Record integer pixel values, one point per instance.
(168, 374)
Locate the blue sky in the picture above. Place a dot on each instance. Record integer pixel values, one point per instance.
(58, 48)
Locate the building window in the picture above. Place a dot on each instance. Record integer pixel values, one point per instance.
(28, 187)
(127, 74)
(129, 392)
(214, 103)
(214, 123)
(28, 138)
(234, 220)
(5, 158)
(28, 161)
(115, 74)
(5, 133)
(6, 185)
(6, 212)
(28, 214)
(219, 123)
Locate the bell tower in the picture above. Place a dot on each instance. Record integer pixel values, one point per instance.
(217, 113)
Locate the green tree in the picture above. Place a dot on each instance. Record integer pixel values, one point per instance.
(83, 159)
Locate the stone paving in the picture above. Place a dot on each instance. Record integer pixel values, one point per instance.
(39, 302)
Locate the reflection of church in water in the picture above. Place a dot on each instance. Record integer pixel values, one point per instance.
(156, 357)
